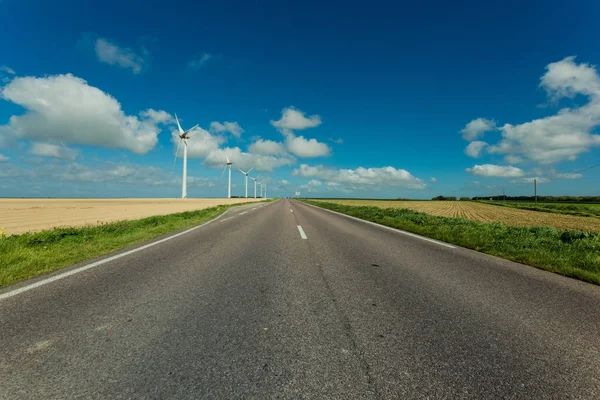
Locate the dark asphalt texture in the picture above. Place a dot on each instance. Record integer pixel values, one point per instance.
(246, 308)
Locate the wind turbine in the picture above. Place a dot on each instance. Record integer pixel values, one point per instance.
(228, 165)
(255, 179)
(183, 136)
(246, 175)
(262, 187)
(266, 188)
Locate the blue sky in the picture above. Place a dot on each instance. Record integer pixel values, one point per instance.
(331, 99)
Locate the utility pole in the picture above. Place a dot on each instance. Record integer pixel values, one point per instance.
(535, 189)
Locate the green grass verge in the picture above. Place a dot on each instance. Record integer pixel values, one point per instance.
(31, 254)
(582, 210)
(567, 252)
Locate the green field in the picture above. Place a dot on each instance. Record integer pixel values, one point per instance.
(31, 254)
(572, 253)
(580, 209)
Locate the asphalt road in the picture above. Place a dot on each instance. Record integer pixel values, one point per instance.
(245, 307)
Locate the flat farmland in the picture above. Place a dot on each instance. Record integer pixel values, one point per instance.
(485, 213)
(31, 215)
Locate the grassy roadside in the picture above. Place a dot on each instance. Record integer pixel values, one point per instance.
(567, 252)
(582, 210)
(31, 254)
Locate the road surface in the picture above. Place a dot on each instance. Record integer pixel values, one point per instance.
(285, 300)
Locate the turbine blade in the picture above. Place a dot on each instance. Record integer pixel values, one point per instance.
(192, 128)
(227, 158)
(178, 124)
(176, 153)
(250, 169)
(241, 171)
(224, 169)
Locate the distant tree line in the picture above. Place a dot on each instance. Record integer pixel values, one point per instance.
(444, 198)
(549, 199)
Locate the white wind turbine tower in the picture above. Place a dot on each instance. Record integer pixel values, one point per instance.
(255, 179)
(263, 187)
(183, 136)
(228, 165)
(246, 175)
(266, 188)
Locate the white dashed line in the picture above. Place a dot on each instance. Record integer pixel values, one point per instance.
(242, 213)
(291, 210)
(302, 234)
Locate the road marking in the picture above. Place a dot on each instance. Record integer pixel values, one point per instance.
(225, 219)
(100, 262)
(291, 210)
(254, 208)
(242, 213)
(386, 227)
(302, 234)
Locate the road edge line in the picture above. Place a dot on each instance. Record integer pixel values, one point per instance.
(389, 228)
(66, 274)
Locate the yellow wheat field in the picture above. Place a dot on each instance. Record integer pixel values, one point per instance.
(485, 213)
(30, 215)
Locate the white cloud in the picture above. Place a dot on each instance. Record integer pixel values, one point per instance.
(231, 127)
(200, 61)
(388, 176)
(294, 119)
(477, 128)
(118, 173)
(244, 160)
(512, 159)
(53, 150)
(267, 147)
(4, 70)
(432, 180)
(200, 144)
(569, 176)
(567, 134)
(6, 135)
(337, 141)
(531, 180)
(112, 54)
(475, 148)
(204, 144)
(566, 79)
(312, 186)
(65, 108)
(159, 116)
(489, 170)
(337, 187)
(3, 158)
(7, 70)
(306, 148)
(284, 182)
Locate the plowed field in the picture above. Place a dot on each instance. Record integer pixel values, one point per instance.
(485, 213)
(29, 215)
